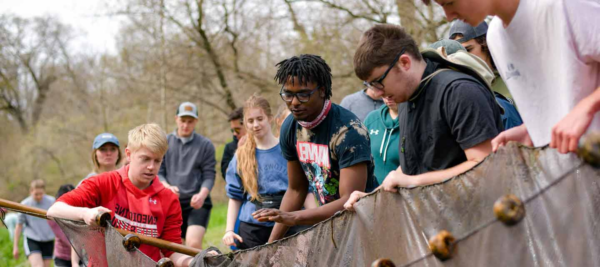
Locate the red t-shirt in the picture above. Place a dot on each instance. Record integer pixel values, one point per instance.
(153, 212)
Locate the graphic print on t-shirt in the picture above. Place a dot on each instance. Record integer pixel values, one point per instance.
(339, 142)
(317, 156)
(135, 222)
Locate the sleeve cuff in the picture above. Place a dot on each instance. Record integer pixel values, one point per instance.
(208, 184)
(355, 161)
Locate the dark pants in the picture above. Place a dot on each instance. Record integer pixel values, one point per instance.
(256, 235)
(193, 216)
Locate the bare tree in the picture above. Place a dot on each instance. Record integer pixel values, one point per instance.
(32, 58)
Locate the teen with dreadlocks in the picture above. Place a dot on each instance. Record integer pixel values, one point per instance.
(326, 146)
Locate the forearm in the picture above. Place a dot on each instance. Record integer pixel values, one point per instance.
(292, 201)
(181, 260)
(592, 102)
(18, 230)
(312, 216)
(65, 211)
(204, 192)
(232, 213)
(74, 258)
(443, 175)
(208, 167)
(208, 182)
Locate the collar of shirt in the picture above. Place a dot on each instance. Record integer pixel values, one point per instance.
(184, 140)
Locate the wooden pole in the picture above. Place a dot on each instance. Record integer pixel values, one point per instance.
(159, 243)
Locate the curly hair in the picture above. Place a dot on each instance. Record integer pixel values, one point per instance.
(307, 68)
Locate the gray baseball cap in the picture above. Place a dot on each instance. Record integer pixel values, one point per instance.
(451, 46)
(467, 31)
(187, 109)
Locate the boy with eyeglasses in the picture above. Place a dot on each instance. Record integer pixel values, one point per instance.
(236, 119)
(326, 146)
(447, 118)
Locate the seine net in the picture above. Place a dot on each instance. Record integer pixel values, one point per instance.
(100, 246)
(560, 228)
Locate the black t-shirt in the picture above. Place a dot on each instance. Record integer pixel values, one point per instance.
(228, 153)
(451, 113)
(340, 141)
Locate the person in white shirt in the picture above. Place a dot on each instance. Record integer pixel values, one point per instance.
(548, 53)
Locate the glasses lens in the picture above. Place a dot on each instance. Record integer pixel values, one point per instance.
(303, 97)
(235, 130)
(287, 97)
(377, 85)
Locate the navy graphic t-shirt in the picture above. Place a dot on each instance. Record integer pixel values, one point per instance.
(340, 141)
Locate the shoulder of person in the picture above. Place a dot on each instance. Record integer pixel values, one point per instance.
(352, 97)
(49, 197)
(27, 201)
(344, 116)
(230, 144)
(202, 139)
(467, 86)
(350, 123)
(171, 135)
(106, 178)
(450, 80)
(373, 116)
(287, 124)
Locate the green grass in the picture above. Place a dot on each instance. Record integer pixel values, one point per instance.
(216, 228)
(6, 245)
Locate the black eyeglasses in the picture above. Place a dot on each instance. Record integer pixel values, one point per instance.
(303, 97)
(378, 83)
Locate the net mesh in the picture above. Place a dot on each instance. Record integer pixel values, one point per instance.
(100, 246)
(560, 228)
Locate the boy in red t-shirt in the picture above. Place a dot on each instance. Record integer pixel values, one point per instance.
(136, 199)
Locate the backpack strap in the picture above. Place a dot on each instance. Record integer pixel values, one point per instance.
(446, 64)
(425, 81)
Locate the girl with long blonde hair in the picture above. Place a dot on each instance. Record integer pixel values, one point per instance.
(256, 177)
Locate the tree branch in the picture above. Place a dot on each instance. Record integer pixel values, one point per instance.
(344, 9)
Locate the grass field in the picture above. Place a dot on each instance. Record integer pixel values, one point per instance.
(214, 233)
(216, 228)
(6, 245)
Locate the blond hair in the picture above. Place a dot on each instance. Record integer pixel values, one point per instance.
(247, 166)
(150, 136)
(38, 184)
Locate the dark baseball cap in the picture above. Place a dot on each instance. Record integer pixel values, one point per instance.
(467, 31)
